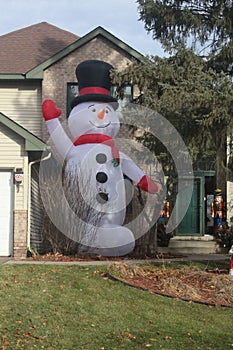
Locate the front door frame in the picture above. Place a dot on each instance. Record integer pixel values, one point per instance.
(200, 208)
(11, 226)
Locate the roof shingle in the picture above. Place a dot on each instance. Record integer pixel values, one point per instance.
(26, 48)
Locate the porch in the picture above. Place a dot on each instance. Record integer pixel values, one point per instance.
(184, 245)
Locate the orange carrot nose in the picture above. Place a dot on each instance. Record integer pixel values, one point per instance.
(101, 114)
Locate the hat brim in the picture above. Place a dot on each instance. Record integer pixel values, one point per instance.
(95, 98)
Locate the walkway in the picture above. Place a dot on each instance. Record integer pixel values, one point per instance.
(192, 257)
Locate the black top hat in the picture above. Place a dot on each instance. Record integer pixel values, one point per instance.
(94, 83)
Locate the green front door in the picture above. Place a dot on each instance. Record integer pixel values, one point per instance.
(193, 221)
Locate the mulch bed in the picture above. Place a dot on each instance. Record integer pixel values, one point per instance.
(214, 287)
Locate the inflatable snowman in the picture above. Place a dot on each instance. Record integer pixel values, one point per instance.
(93, 124)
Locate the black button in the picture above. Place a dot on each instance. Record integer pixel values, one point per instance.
(102, 197)
(101, 158)
(101, 177)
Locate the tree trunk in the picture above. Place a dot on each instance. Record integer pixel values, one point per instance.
(220, 168)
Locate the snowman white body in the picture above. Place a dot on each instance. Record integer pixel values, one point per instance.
(104, 178)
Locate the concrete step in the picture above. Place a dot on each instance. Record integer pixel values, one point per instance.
(194, 245)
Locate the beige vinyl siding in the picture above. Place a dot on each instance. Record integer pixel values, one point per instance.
(12, 156)
(36, 211)
(22, 103)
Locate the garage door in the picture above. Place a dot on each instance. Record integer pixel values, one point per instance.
(5, 212)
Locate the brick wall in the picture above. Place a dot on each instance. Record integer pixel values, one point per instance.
(20, 233)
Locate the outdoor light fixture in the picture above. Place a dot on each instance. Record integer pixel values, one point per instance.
(18, 176)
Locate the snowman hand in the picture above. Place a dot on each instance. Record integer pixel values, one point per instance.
(49, 110)
(148, 185)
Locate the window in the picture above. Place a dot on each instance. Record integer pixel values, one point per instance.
(128, 95)
(73, 91)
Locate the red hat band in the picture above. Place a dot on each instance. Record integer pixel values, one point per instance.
(94, 90)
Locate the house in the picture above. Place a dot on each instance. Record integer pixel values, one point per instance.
(37, 63)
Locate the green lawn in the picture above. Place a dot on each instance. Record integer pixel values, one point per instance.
(73, 307)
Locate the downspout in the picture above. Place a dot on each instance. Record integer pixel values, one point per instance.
(30, 195)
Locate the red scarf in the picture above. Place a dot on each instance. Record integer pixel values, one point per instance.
(99, 138)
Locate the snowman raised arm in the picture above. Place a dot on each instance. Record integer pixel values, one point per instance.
(93, 124)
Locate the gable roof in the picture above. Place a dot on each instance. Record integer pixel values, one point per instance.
(32, 142)
(36, 72)
(26, 48)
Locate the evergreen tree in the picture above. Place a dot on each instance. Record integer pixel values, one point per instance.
(204, 24)
(196, 99)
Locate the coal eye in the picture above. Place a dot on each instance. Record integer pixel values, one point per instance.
(106, 111)
(93, 110)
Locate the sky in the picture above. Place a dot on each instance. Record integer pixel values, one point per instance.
(120, 17)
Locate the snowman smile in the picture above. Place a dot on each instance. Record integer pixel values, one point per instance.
(100, 126)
